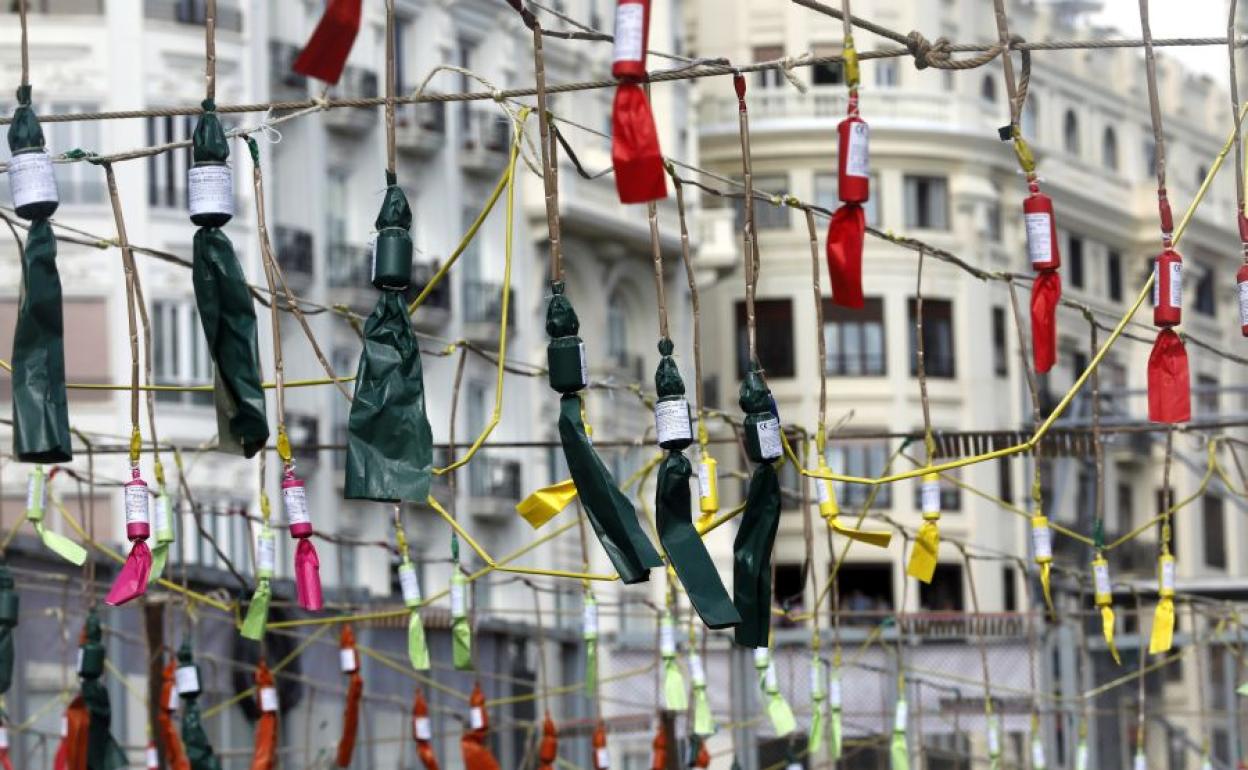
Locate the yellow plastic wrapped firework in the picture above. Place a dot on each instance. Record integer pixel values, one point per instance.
(927, 543)
(1162, 637)
(1042, 549)
(1103, 593)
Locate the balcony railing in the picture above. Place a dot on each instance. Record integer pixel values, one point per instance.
(348, 266)
(420, 128)
(440, 297)
(355, 83)
(50, 7)
(486, 139)
(491, 477)
(482, 302)
(284, 82)
(229, 15)
(294, 250)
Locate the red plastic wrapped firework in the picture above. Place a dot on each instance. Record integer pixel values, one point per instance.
(854, 159)
(1042, 245)
(846, 235)
(1168, 289)
(1045, 293)
(1241, 278)
(632, 31)
(131, 581)
(1169, 382)
(325, 55)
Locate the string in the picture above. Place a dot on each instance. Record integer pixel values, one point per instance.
(749, 231)
(21, 14)
(1159, 138)
(548, 150)
(127, 261)
(210, 50)
(920, 357)
(1231, 21)
(390, 78)
(699, 384)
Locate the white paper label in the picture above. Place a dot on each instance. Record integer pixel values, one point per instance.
(667, 639)
(422, 728)
(857, 154)
(1167, 575)
(295, 499)
(372, 256)
(901, 716)
(1243, 304)
(477, 718)
(823, 490)
(760, 657)
(1100, 576)
(409, 584)
(769, 438)
(1206, 765)
(31, 179)
(268, 699)
(697, 671)
(64, 726)
(580, 349)
(1037, 754)
(770, 679)
(4, 737)
(459, 602)
(210, 190)
(994, 737)
(930, 496)
(630, 22)
(136, 504)
(347, 661)
(266, 554)
(1140, 761)
(78, 668)
(834, 691)
(153, 758)
(603, 758)
(589, 619)
(704, 480)
(163, 522)
(1081, 756)
(816, 680)
(187, 679)
(671, 421)
(1175, 298)
(1039, 237)
(174, 700)
(36, 491)
(1042, 542)
(795, 766)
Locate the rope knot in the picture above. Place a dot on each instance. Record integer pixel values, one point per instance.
(497, 95)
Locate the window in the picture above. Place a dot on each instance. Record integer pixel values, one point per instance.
(860, 457)
(1000, 349)
(1206, 395)
(1201, 173)
(1213, 517)
(937, 338)
(1005, 480)
(1164, 503)
(766, 216)
(345, 361)
(865, 591)
(1126, 511)
(617, 326)
(1205, 303)
(927, 202)
(886, 73)
(1070, 132)
(830, 74)
(1150, 155)
(944, 593)
(1031, 117)
(988, 89)
(1113, 269)
(1009, 591)
(855, 339)
(1074, 260)
(771, 77)
(166, 172)
(179, 352)
(992, 221)
(788, 589)
(86, 350)
(826, 196)
(773, 322)
(1078, 362)
(950, 493)
(1109, 149)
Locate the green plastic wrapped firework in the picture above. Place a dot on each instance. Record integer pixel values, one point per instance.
(390, 443)
(210, 183)
(40, 405)
(566, 365)
(229, 321)
(757, 533)
(103, 751)
(9, 605)
(610, 513)
(195, 739)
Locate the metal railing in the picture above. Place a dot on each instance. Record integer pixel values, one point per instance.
(56, 7)
(348, 266)
(495, 478)
(482, 302)
(229, 14)
(294, 249)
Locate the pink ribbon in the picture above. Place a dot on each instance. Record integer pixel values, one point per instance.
(308, 576)
(131, 582)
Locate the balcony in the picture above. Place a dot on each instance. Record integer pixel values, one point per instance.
(349, 268)
(494, 486)
(191, 12)
(303, 430)
(629, 367)
(435, 311)
(294, 256)
(420, 129)
(356, 83)
(719, 239)
(285, 85)
(59, 7)
(487, 139)
(483, 310)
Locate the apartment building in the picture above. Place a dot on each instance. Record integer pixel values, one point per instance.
(940, 173)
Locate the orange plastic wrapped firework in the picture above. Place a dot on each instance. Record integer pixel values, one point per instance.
(477, 755)
(422, 731)
(658, 760)
(78, 728)
(264, 754)
(355, 692)
(175, 757)
(602, 758)
(550, 744)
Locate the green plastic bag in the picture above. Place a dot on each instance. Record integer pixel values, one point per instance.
(229, 320)
(103, 751)
(757, 534)
(40, 405)
(461, 626)
(195, 739)
(389, 443)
